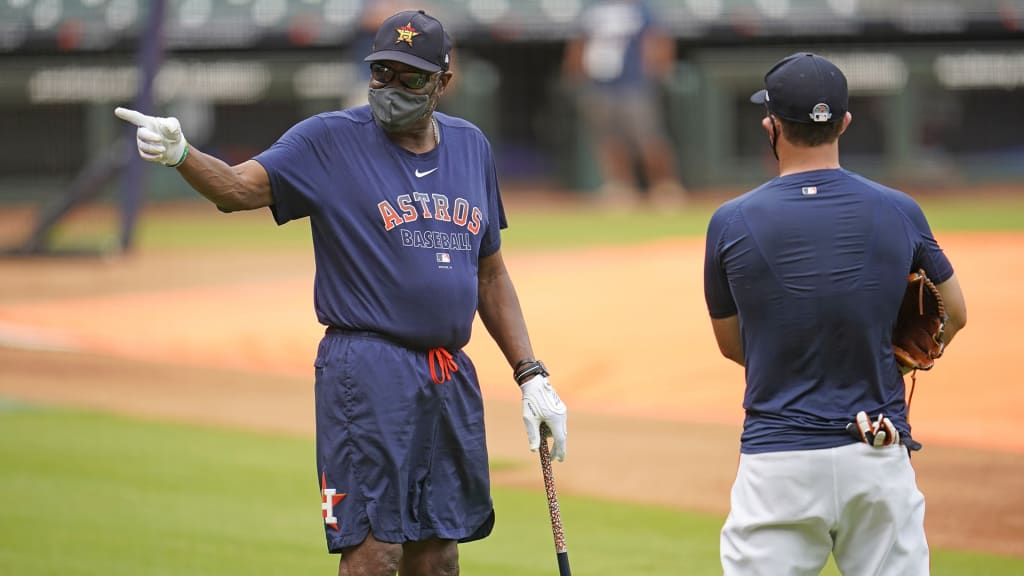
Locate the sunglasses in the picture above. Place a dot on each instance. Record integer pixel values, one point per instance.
(411, 80)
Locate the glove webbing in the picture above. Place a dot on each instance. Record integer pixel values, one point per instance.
(920, 295)
(939, 305)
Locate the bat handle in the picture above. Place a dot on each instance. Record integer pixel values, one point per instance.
(563, 564)
(553, 509)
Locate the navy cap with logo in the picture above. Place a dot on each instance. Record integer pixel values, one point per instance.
(805, 88)
(415, 38)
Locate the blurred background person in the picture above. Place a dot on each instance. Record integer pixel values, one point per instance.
(616, 64)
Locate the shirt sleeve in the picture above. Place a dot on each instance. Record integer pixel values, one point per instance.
(717, 293)
(491, 241)
(297, 167)
(928, 255)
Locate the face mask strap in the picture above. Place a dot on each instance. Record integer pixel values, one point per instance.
(774, 138)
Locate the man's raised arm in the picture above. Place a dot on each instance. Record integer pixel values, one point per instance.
(242, 187)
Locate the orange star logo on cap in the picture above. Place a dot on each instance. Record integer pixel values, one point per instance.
(406, 34)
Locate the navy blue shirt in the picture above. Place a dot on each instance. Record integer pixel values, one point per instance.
(815, 264)
(397, 236)
(613, 51)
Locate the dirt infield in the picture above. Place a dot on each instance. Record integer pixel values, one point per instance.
(227, 337)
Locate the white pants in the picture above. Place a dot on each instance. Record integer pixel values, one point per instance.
(791, 509)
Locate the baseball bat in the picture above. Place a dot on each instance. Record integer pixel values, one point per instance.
(556, 515)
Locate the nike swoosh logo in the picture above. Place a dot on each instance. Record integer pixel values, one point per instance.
(422, 174)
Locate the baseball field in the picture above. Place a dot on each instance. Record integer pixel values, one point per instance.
(156, 409)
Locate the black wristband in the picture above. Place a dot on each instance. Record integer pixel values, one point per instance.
(528, 369)
(521, 363)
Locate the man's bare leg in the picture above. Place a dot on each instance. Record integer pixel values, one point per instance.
(430, 558)
(370, 558)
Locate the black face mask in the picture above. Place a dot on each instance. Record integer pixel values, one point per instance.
(395, 109)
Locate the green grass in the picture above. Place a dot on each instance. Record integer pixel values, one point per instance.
(964, 213)
(204, 228)
(567, 229)
(255, 230)
(85, 493)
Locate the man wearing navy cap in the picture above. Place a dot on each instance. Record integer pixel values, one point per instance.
(803, 278)
(406, 218)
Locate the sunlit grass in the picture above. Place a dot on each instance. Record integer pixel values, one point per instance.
(87, 493)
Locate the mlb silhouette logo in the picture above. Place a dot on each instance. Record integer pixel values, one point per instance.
(443, 258)
(821, 113)
(809, 190)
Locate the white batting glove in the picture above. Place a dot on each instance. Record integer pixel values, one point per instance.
(542, 404)
(878, 433)
(159, 139)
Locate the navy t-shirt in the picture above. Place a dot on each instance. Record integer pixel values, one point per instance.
(613, 50)
(815, 264)
(397, 236)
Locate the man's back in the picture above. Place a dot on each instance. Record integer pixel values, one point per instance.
(815, 265)
(803, 278)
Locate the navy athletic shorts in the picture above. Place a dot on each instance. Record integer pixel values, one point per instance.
(398, 454)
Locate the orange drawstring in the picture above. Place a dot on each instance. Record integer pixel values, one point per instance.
(445, 363)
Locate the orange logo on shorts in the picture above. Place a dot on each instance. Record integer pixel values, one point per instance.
(328, 498)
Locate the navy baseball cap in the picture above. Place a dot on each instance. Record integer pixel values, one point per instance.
(415, 38)
(804, 88)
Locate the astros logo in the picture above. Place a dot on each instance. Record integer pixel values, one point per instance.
(329, 497)
(406, 34)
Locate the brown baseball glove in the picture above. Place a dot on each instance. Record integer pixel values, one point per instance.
(917, 337)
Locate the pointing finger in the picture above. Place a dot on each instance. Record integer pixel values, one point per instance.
(137, 118)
